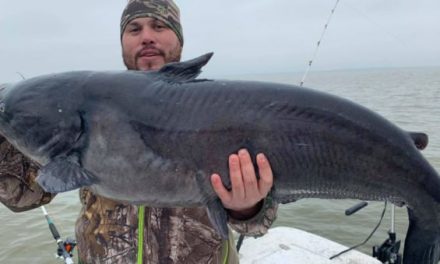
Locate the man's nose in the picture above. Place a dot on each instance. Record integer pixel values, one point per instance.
(148, 36)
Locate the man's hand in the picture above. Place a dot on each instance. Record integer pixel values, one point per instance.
(243, 201)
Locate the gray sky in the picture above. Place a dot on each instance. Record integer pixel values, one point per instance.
(247, 36)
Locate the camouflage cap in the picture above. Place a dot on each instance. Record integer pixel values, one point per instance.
(163, 10)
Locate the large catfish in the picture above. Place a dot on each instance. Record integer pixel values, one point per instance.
(154, 138)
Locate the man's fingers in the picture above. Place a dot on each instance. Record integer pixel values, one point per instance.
(236, 178)
(248, 171)
(246, 190)
(266, 176)
(220, 189)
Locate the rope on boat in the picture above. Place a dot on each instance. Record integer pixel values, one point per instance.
(368, 238)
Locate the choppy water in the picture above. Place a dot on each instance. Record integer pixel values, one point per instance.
(408, 97)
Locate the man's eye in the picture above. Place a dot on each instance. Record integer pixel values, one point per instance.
(132, 29)
(159, 26)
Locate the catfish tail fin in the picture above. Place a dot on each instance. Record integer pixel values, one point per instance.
(422, 246)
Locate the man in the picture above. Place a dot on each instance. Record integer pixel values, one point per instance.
(107, 230)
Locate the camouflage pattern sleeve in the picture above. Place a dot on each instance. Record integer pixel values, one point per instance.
(18, 190)
(260, 223)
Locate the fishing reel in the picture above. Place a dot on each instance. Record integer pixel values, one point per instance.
(388, 252)
(69, 245)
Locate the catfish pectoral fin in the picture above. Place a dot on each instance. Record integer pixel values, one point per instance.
(62, 174)
(219, 218)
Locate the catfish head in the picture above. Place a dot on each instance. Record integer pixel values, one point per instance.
(41, 127)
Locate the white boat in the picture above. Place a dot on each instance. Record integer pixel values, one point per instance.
(295, 246)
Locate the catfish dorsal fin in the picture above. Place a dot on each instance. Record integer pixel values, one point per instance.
(187, 70)
(420, 139)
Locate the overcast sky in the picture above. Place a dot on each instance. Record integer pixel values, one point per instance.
(247, 36)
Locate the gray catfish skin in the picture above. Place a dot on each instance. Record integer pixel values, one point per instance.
(154, 138)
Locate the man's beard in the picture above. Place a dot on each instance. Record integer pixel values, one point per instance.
(173, 56)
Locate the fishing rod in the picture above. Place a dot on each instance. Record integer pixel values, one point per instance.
(388, 252)
(309, 66)
(318, 44)
(65, 248)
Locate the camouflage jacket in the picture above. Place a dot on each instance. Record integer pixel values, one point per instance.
(107, 231)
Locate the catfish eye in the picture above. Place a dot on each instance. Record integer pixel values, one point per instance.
(2, 107)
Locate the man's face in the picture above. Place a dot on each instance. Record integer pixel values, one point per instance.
(148, 44)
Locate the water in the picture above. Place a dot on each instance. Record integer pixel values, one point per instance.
(407, 97)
